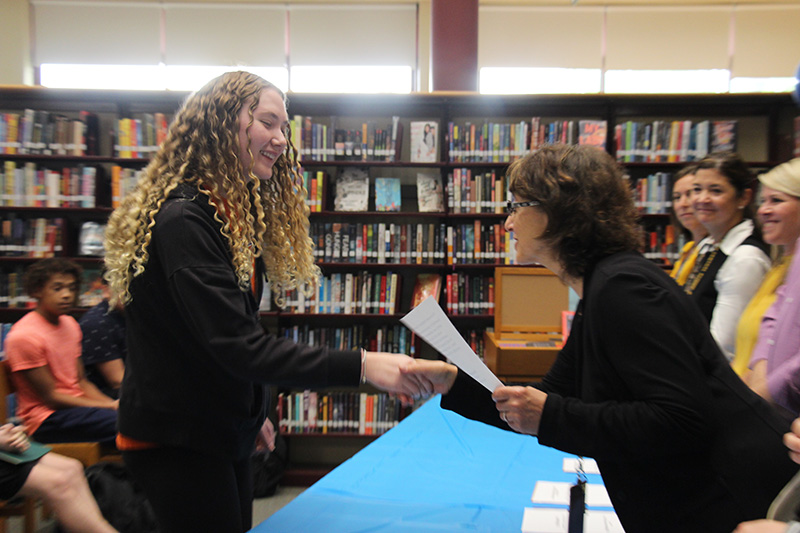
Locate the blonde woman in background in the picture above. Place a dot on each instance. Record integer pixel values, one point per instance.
(686, 223)
(779, 214)
(775, 362)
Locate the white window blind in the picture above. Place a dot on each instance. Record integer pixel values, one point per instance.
(225, 34)
(330, 35)
(667, 38)
(540, 37)
(118, 33)
(767, 41)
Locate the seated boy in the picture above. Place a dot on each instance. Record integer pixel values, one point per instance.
(104, 348)
(54, 399)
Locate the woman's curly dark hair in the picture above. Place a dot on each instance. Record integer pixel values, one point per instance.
(588, 203)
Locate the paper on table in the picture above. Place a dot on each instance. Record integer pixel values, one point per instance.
(557, 492)
(429, 322)
(541, 520)
(589, 465)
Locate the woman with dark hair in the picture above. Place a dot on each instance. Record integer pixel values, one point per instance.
(641, 386)
(733, 260)
(686, 223)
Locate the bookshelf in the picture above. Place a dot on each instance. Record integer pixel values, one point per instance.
(766, 136)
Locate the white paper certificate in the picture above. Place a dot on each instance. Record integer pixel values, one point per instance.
(429, 322)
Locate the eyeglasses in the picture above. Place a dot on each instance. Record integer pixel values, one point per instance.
(511, 207)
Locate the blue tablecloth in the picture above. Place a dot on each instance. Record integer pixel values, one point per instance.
(435, 471)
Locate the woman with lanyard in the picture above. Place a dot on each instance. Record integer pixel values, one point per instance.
(733, 259)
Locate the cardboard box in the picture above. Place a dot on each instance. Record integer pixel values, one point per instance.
(527, 335)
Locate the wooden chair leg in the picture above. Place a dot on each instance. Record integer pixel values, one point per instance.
(3, 524)
(30, 515)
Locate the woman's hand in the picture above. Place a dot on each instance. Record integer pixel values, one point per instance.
(792, 441)
(520, 407)
(13, 439)
(382, 370)
(757, 380)
(438, 374)
(761, 526)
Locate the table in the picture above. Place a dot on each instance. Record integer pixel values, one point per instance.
(435, 471)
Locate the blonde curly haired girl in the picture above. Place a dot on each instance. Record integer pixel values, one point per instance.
(263, 218)
(220, 207)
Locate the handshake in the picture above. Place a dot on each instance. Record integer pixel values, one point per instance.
(406, 377)
(520, 408)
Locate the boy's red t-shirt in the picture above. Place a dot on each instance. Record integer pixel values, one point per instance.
(33, 342)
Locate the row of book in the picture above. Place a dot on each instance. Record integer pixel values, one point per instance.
(34, 186)
(661, 244)
(123, 182)
(495, 142)
(36, 131)
(314, 183)
(477, 242)
(352, 192)
(329, 141)
(140, 136)
(34, 237)
(652, 194)
(12, 294)
(350, 293)
(478, 192)
(368, 293)
(40, 237)
(484, 243)
(469, 294)
(357, 413)
(673, 141)
(474, 338)
(395, 338)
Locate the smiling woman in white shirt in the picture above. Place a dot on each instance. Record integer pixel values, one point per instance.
(733, 259)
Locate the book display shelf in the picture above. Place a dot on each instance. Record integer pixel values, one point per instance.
(406, 197)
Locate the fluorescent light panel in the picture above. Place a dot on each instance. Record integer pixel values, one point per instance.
(667, 81)
(530, 80)
(351, 79)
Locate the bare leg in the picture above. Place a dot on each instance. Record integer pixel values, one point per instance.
(60, 482)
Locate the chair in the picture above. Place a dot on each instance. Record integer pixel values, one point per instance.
(23, 507)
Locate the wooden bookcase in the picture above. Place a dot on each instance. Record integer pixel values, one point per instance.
(765, 139)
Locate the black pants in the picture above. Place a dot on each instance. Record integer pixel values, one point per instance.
(194, 492)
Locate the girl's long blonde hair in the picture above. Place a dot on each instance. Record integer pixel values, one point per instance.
(266, 219)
